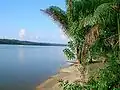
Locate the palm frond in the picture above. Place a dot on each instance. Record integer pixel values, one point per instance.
(105, 14)
(82, 8)
(57, 15)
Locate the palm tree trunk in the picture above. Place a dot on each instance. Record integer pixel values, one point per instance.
(70, 3)
(78, 55)
(118, 22)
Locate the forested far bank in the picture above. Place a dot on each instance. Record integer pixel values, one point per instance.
(18, 42)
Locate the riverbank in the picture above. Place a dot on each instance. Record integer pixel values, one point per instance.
(71, 73)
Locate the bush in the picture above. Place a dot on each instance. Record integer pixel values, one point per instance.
(70, 86)
(109, 78)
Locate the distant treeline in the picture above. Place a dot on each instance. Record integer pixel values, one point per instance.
(18, 42)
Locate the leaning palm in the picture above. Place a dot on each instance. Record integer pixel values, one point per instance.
(80, 23)
(71, 23)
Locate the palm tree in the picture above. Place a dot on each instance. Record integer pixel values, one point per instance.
(106, 16)
(82, 23)
(69, 21)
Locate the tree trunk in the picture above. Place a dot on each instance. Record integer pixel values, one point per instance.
(78, 55)
(118, 22)
(70, 3)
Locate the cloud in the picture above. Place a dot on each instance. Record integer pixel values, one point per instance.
(37, 37)
(22, 34)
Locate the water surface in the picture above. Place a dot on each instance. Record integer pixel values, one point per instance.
(24, 67)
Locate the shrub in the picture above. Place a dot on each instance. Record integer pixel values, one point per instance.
(109, 78)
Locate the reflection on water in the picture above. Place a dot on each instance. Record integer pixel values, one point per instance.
(21, 53)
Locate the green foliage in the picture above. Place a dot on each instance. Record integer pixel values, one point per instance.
(58, 15)
(77, 21)
(108, 79)
(70, 50)
(69, 54)
(109, 76)
(65, 85)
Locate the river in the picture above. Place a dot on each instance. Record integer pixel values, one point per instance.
(24, 67)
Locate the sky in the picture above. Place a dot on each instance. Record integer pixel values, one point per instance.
(22, 19)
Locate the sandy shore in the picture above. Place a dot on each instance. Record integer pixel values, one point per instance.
(70, 73)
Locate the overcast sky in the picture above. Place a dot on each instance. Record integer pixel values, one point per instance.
(22, 19)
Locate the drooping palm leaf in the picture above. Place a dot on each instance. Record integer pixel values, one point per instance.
(57, 15)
